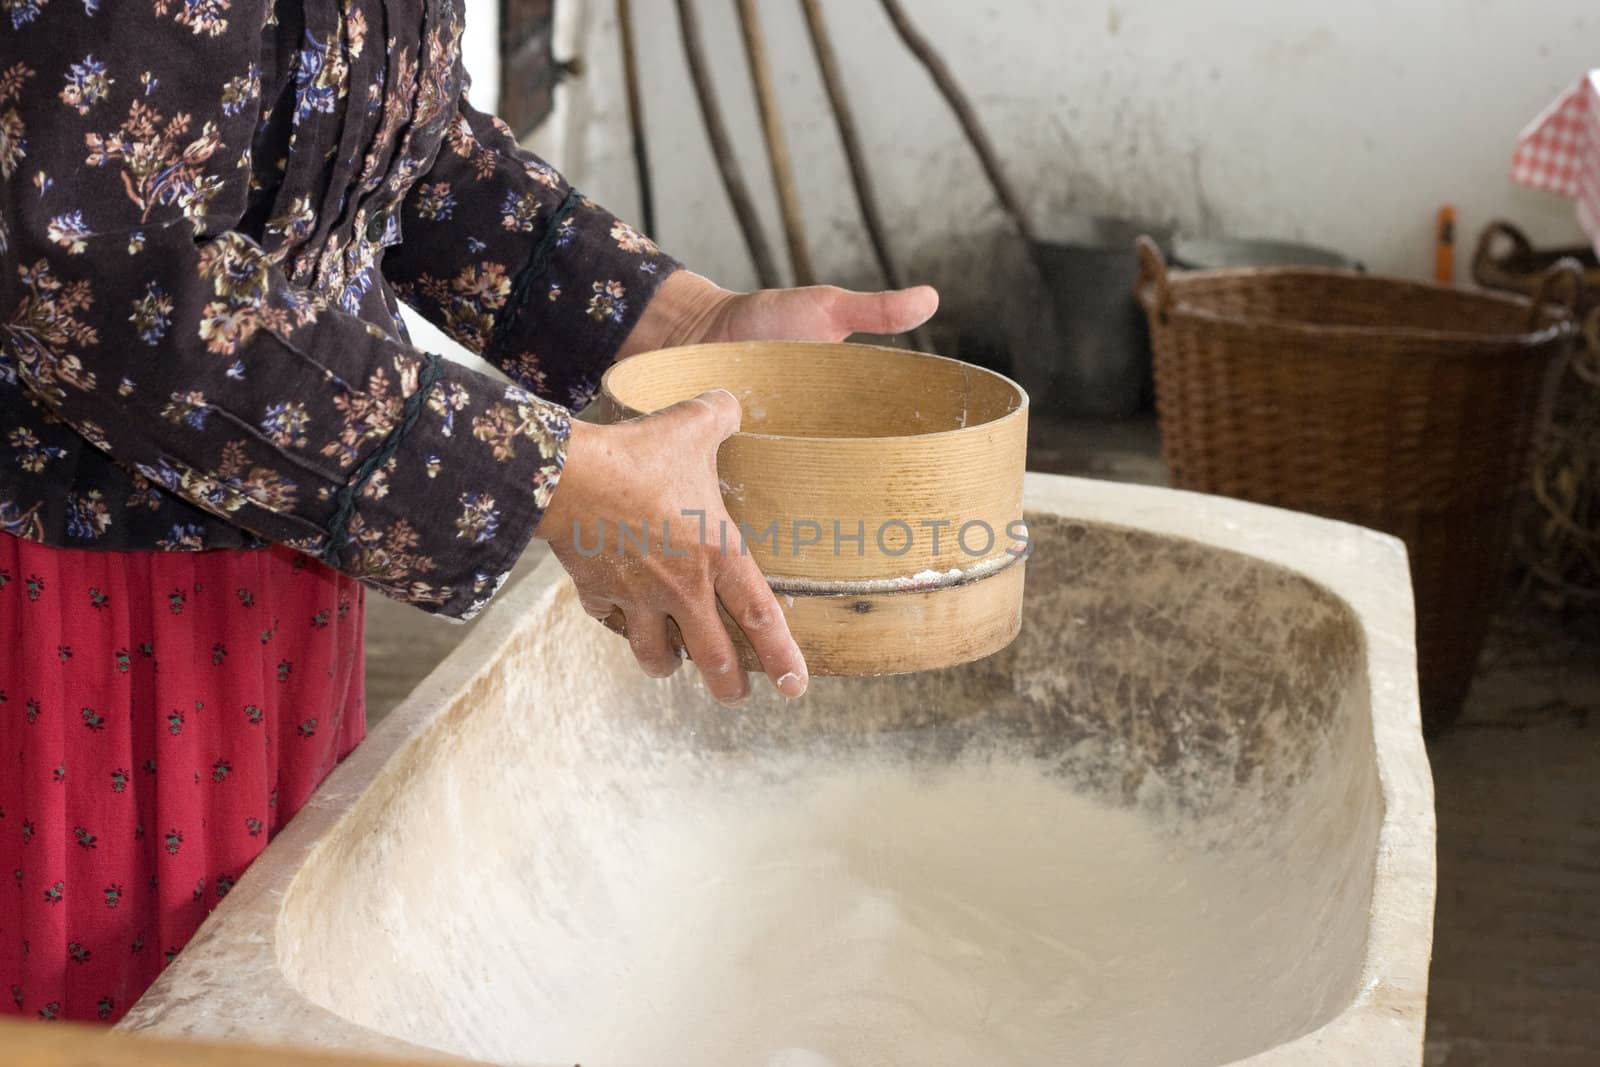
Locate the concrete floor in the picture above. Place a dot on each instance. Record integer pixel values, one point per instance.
(1516, 958)
(1516, 969)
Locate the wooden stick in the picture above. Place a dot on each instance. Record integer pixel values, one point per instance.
(828, 64)
(940, 73)
(30, 1043)
(722, 149)
(755, 49)
(641, 155)
(860, 177)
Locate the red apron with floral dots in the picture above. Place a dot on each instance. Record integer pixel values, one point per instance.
(162, 715)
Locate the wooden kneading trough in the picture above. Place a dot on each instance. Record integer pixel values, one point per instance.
(880, 490)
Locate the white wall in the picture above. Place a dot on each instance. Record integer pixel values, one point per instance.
(1343, 122)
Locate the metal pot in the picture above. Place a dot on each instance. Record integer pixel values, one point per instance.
(1223, 253)
(1099, 365)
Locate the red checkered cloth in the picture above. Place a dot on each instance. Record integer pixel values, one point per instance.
(1560, 151)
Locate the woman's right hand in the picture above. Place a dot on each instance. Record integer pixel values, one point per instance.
(661, 470)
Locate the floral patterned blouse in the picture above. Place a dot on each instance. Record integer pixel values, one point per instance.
(207, 211)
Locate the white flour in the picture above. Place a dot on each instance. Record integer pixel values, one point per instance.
(980, 914)
(921, 580)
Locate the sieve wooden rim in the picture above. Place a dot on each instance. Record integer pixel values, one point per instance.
(947, 474)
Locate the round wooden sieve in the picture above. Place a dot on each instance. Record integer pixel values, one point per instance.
(879, 489)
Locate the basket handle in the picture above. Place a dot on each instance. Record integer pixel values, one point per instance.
(1153, 272)
(1567, 271)
(1485, 257)
(1587, 365)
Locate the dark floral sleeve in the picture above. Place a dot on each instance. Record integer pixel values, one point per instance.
(134, 310)
(500, 252)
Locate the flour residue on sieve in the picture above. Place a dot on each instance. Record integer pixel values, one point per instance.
(918, 581)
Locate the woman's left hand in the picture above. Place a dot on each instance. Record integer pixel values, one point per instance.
(688, 309)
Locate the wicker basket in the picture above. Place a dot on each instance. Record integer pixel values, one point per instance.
(1521, 268)
(1404, 407)
(1558, 535)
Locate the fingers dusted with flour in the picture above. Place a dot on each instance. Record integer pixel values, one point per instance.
(750, 602)
(651, 643)
(638, 522)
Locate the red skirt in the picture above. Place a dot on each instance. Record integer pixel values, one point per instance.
(162, 715)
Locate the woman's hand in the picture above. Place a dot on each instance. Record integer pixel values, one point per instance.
(661, 471)
(688, 309)
(652, 471)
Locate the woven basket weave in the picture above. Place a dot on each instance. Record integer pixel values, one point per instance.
(1560, 539)
(1558, 536)
(1404, 407)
